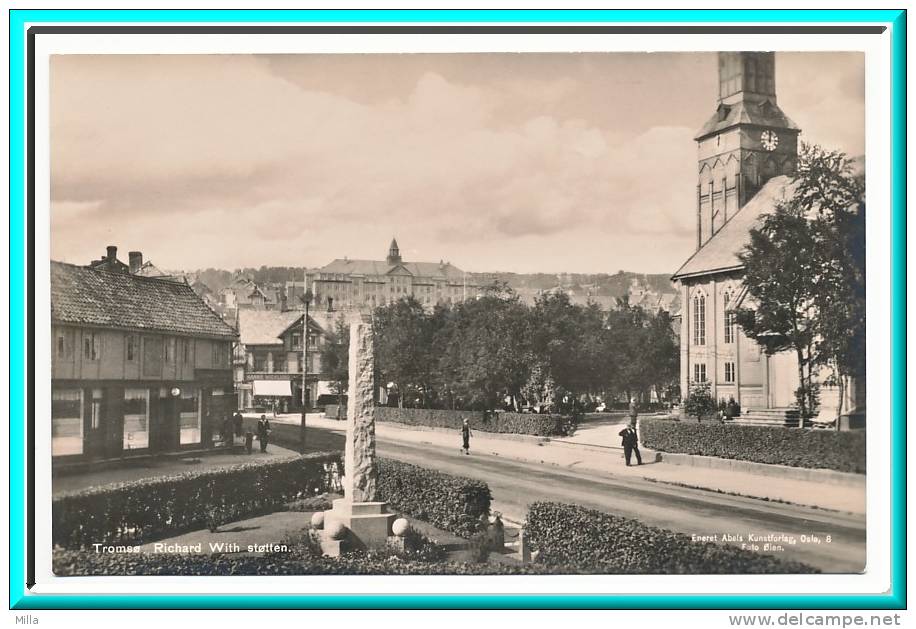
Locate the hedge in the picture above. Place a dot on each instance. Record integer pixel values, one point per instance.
(66, 563)
(502, 422)
(165, 505)
(452, 503)
(600, 543)
(841, 451)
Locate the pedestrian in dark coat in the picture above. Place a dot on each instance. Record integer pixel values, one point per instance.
(466, 437)
(630, 442)
(226, 431)
(237, 419)
(732, 409)
(263, 432)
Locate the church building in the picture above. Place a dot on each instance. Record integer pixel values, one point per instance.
(747, 154)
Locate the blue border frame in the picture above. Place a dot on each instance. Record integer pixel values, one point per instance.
(21, 600)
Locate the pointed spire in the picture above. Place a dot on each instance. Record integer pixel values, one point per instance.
(394, 253)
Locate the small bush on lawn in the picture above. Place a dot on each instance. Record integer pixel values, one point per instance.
(416, 547)
(451, 503)
(68, 563)
(138, 510)
(597, 542)
(840, 451)
(699, 402)
(501, 422)
(311, 503)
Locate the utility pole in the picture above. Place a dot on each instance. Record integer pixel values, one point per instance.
(306, 299)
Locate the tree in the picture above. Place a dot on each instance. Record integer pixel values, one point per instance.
(805, 269)
(662, 352)
(832, 196)
(567, 342)
(403, 347)
(781, 275)
(335, 358)
(485, 353)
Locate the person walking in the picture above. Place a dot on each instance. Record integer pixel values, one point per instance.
(632, 412)
(237, 420)
(630, 442)
(263, 432)
(466, 437)
(226, 431)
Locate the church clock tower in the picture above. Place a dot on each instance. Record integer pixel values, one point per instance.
(746, 142)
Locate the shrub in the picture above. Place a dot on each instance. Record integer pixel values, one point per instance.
(134, 511)
(597, 542)
(501, 422)
(451, 503)
(699, 402)
(840, 451)
(416, 547)
(86, 563)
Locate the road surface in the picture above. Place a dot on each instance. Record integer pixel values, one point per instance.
(516, 484)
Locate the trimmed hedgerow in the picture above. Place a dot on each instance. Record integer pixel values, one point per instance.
(500, 422)
(68, 563)
(827, 449)
(601, 543)
(135, 511)
(452, 503)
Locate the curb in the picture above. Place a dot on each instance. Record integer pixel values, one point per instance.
(817, 475)
(483, 434)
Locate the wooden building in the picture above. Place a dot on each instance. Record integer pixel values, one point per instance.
(139, 365)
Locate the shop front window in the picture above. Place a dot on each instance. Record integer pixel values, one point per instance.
(66, 422)
(136, 419)
(189, 417)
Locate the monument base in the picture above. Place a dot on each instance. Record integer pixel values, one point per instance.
(368, 526)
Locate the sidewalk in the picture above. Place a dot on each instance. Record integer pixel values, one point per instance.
(572, 454)
(74, 482)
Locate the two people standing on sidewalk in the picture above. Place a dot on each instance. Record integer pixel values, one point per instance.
(628, 437)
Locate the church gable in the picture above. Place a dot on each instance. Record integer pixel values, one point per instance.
(720, 253)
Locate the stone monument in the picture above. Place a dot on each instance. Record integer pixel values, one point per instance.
(367, 521)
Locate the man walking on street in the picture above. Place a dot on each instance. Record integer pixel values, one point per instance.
(263, 432)
(466, 437)
(630, 442)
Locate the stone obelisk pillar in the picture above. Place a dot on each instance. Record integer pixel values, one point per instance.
(361, 472)
(358, 520)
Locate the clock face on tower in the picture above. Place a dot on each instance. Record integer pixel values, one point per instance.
(769, 140)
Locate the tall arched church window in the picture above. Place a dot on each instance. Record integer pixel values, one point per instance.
(728, 318)
(699, 319)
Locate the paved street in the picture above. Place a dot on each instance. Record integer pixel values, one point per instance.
(622, 491)
(515, 484)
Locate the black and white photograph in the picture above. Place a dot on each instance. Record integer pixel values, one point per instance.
(457, 314)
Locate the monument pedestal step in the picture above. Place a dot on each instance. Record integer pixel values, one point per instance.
(368, 525)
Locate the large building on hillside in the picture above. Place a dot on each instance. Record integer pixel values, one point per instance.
(346, 284)
(748, 151)
(139, 365)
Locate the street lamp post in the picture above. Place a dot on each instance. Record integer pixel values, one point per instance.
(306, 299)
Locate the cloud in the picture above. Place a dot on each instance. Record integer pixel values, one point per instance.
(232, 160)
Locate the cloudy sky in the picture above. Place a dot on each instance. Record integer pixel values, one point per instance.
(514, 162)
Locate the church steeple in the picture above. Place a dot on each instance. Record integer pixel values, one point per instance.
(394, 254)
(746, 142)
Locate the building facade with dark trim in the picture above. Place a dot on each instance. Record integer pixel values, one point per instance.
(139, 365)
